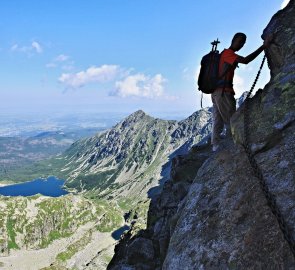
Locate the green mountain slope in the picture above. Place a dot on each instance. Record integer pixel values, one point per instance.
(134, 156)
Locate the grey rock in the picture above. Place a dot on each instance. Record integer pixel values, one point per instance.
(256, 147)
(141, 250)
(124, 267)
(287, 120)
(225, 220)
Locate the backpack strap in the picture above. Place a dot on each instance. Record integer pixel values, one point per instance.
(202, 100)
(225, 72)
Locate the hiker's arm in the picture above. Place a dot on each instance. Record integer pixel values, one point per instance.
(253, 55)
(250, 57)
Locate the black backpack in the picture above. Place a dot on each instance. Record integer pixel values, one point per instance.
(208, 76)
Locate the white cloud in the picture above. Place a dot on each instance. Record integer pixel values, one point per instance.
(103, 73)
(69, 66)
(14, 47)
(29, 50)
(35, 45)
(171, 98)
(51, 65)
(140, 85)
(17, 48)
(61, 58)
(185, 70)
(284, 3)
(125, 85)
(246, 67)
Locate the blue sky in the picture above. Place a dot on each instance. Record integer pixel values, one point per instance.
(120, 55)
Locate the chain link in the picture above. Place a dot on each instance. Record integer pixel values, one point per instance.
(271, 200)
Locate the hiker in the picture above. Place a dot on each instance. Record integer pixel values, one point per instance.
(224, 103)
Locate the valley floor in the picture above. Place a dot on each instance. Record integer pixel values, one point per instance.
(100, 243)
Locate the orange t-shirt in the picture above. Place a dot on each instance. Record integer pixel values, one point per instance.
(227, 56)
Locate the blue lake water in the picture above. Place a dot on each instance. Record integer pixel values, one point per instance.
(51, 186)
(117, 233)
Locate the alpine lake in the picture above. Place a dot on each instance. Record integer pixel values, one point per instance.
(51, 186)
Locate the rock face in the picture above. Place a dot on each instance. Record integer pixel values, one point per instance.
(275, 103)
(212, 213)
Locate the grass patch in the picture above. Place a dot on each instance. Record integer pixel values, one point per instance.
(35, 170)
(125, 203)
(74, 248)
(11, 234)
(53, 235)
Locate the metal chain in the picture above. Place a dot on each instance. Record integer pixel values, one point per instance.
(271, 200)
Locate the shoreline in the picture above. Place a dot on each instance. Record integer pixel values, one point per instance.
(9, 182)
(5, 183)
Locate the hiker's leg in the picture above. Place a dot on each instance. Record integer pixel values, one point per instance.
(227, 107)
(217, 126)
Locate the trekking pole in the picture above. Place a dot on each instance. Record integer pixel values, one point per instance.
(214, 44)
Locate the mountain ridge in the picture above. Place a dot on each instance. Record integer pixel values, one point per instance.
(127, 137)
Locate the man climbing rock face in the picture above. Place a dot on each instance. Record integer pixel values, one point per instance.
(224, 103)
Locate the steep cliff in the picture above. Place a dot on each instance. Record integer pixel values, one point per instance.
(212, 212)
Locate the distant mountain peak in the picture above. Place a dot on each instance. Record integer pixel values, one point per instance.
(137, 115)
(133, 118)
(242, 98)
